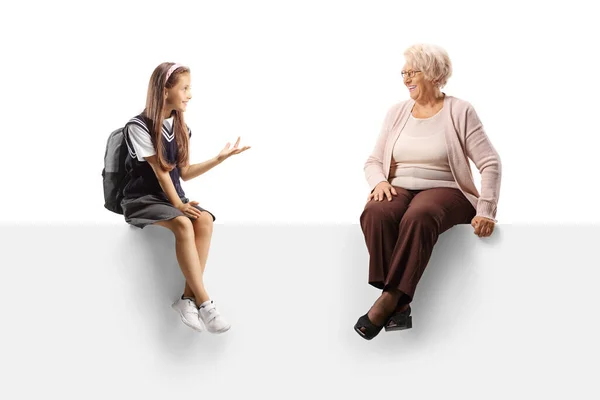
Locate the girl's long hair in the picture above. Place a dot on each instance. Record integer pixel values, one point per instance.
(155, 103)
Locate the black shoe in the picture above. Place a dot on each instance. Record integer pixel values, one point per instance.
(371, 330)
(399, 321)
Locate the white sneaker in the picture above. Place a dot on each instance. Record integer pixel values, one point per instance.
(188, 311)
(212, 319)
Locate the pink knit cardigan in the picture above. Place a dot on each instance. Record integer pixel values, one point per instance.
(465, 138)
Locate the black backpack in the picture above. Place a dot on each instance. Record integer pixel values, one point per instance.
(114, 173)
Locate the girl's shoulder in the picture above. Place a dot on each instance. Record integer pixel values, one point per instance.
(140, 121)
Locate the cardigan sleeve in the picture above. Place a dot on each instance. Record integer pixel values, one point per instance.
(485, 157)
(374, 165)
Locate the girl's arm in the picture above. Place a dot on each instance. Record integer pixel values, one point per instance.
(194, 170)
(164, 179)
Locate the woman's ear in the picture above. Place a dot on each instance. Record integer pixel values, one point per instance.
(166, 94)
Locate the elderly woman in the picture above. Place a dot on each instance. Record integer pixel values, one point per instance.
(422, 185)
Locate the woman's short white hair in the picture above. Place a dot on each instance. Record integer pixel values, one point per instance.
(432, 60)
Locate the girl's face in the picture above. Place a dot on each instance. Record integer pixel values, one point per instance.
(178, 96)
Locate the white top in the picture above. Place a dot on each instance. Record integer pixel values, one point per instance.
(142, 142)
(420, 155)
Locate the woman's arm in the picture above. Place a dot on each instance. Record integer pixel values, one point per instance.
(480, 149)
(374, 165)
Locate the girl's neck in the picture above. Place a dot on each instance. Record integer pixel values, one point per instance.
(167, 114)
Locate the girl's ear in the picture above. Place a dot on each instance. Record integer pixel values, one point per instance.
(166, 93)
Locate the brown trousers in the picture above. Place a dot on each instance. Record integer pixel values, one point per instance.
(400, 234)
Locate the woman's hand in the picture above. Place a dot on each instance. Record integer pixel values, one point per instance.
(483, 226)
(189, 210)
(229, 151)
(382, 189)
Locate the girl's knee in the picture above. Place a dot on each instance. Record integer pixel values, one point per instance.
(182, 226)
(204, 222)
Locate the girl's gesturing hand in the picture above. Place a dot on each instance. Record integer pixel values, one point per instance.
(228, 151)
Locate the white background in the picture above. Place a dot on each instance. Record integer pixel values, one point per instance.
(307, 85)
(85, 307)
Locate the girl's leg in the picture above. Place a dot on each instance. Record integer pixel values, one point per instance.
(192, 242)
(187, 291)
(203, 228)
(187, 255)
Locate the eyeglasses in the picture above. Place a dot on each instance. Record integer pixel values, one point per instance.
(411, 74)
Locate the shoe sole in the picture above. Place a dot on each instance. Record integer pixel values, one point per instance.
(185, 321)
(219, 331)
(400, 327)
